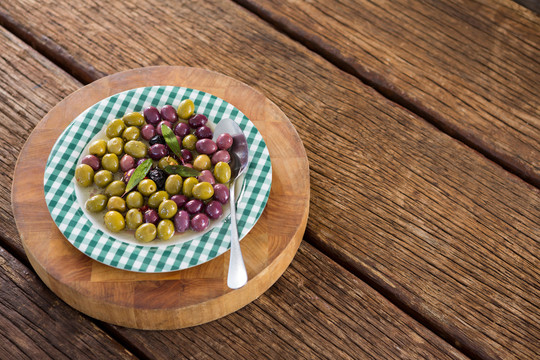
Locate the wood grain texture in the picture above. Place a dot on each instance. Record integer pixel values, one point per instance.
(471, 67)
(317, 310)
(170, 300)
(449, 235)
(24, 72)
(36, 325)
(284, 322)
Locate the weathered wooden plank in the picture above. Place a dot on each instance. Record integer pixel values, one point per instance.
(30, 86)
(317, 310)
(36, 325)
(472, 67)
(303, 316)
(448, 234)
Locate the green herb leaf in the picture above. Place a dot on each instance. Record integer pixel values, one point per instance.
(139, 174)
(171, 140)
(183, 171)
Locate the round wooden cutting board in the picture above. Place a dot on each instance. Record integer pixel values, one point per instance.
(176, 299)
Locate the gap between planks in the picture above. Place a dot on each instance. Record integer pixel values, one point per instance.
(86, 73)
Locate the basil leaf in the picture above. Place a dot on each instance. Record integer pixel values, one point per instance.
(171, 140)
(139, 174)
(183, 171)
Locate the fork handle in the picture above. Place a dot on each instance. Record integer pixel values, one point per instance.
(237, 276)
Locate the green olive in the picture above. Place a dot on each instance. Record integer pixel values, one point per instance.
(135, 148)
(187, 187)
(114, 221)
(186, 109)
(202, 162)
(116, 203)
(98, 148)
(134, 200)
(188, 142)
(222, 172)
(134, 119)
(165, 161)
(103, 178)
(110, 162)
(84, 175)
(157, 198)
(96, 203)
(146, 232)
(115, 128)
(116, 188)
(131, 133)
(165, 229)
(173, 184)
(115, 146)
(134, 219)
(147, 187)
(167, 209)
(203, 191)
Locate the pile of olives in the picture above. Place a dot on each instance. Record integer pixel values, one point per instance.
(161, 203)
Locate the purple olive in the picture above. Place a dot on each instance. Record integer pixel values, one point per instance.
(207, 176)
(194, 206)
(148, 131)
(168, 113)
(92, 161)
(151, 115)
(214, 209)
(181, 221)
(127, 162)
(221, 193)
(140, 161)
(224, 141)
(203, 132)
(206, 146)
(151, 216)
(182, 129)
(157, 151)
(221, 155)
(180, 200)
(200, 222)
(158, 127)
(127, 175)
(186, 155)
(197, 120)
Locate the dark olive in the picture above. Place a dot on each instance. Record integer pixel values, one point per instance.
(92, 161)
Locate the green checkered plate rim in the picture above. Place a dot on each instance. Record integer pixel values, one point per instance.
(80, 231)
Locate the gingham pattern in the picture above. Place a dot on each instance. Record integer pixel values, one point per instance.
(80, 231)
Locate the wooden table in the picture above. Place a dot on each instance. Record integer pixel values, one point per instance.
(421, 121)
